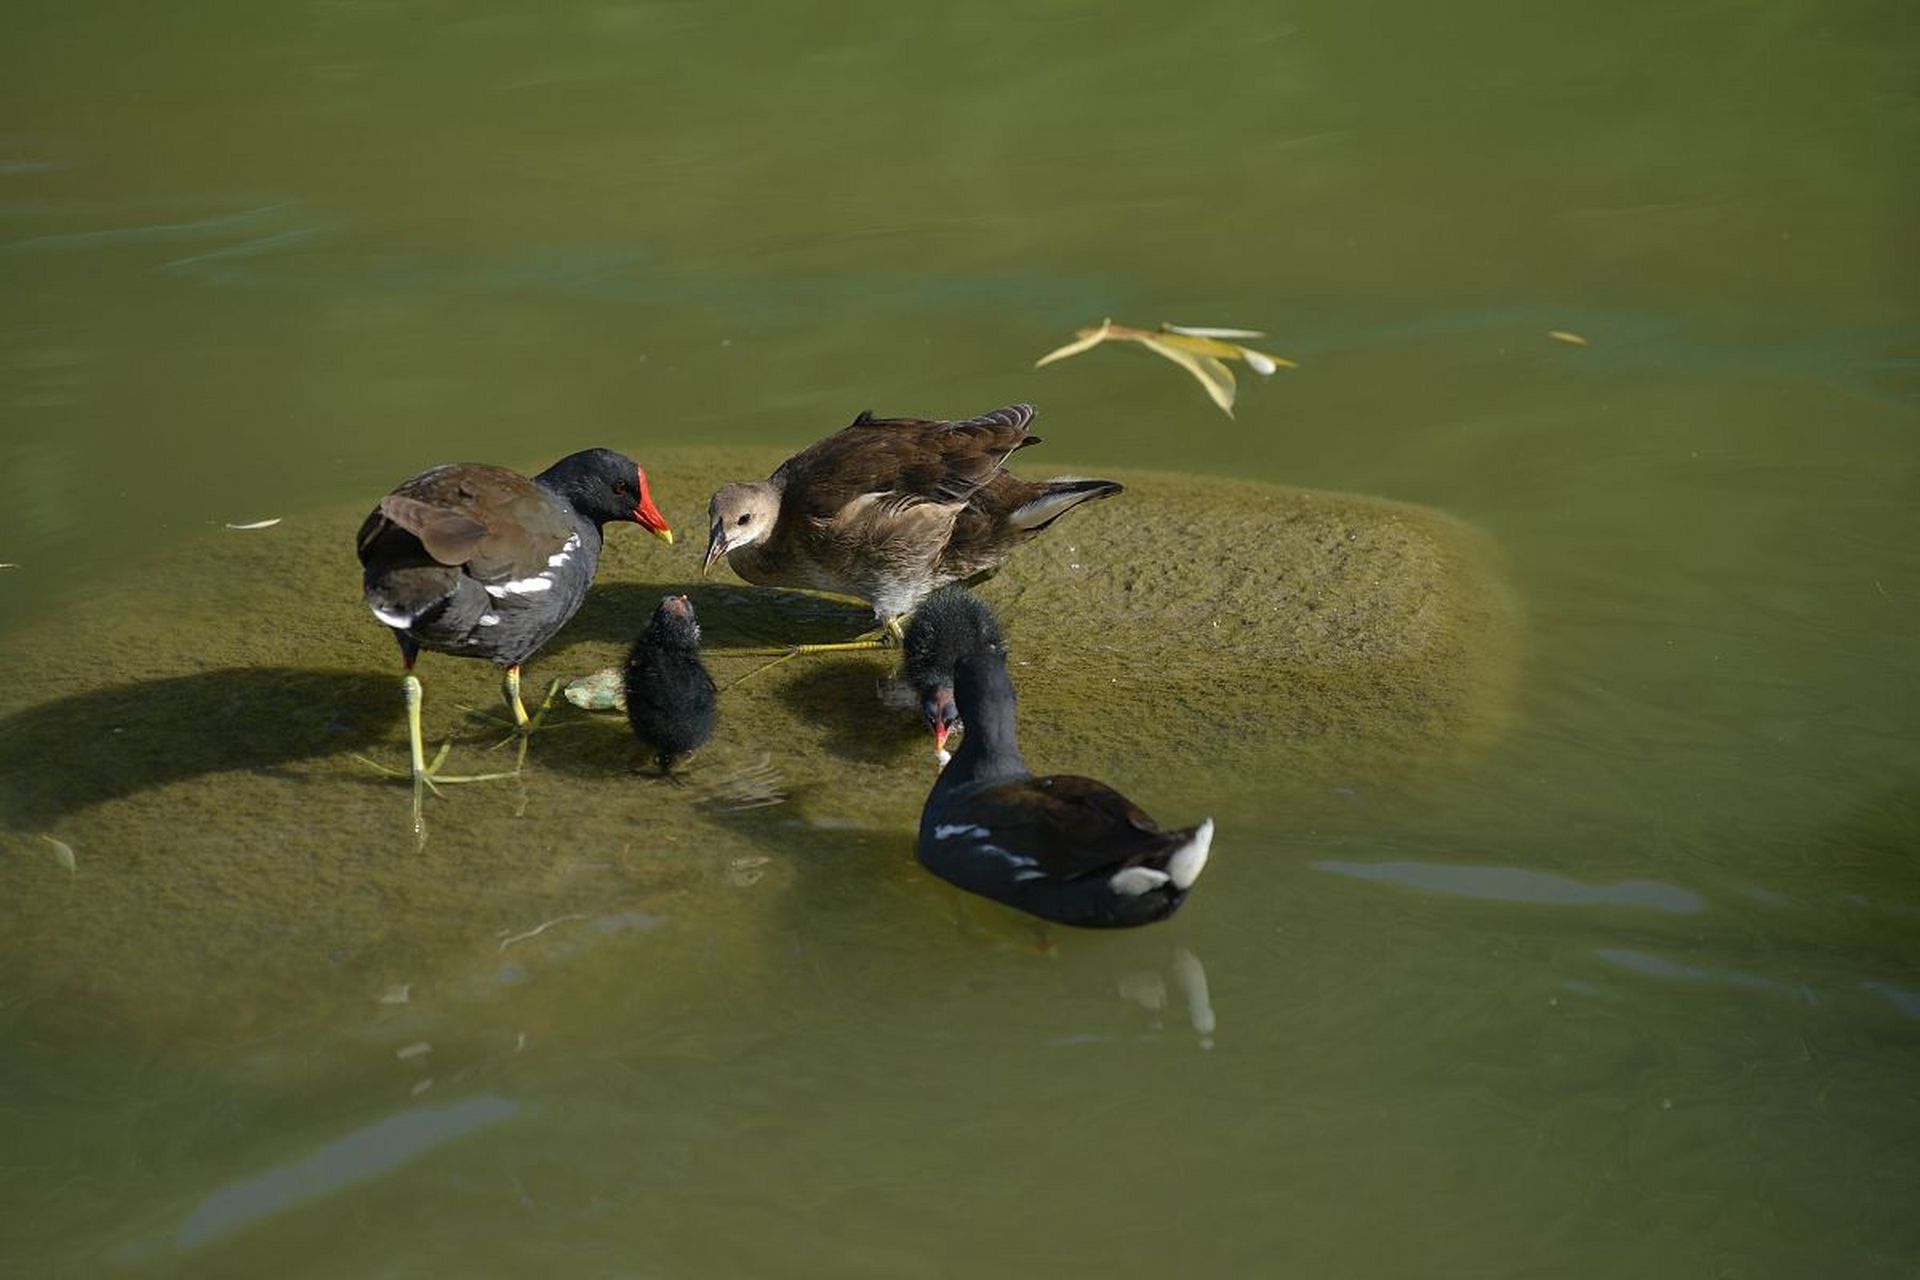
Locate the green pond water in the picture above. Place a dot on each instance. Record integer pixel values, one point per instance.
(1564, 919)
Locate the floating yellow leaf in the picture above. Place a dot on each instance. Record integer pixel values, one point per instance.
(1571, 339)
(1211, 374)
(257, 524)
(1198, 331)
(1198, 350)
(1084, 340)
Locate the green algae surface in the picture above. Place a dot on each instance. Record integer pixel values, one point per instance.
(191, 730)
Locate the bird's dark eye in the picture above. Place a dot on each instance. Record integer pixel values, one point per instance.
(743, 519)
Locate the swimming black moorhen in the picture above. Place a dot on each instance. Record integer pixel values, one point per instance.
(1064, 848)
(670, 696)
(481, 562)
(890, 508)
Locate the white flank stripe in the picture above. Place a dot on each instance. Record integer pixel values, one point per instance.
(565, 552)
(521, 586)
(948, 831)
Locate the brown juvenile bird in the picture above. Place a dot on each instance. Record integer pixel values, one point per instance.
(889, 509)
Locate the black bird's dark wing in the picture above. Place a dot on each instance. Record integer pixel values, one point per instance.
(1071, 826)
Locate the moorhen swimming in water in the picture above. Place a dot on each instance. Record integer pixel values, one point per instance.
(948, 625)
(889, 509)
(670, 696)
(481, 562)
(1064, 848)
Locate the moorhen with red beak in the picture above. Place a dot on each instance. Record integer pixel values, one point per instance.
(888, 509)
(481, 562)
(948, 625)
(1061, 847)
(670, 695)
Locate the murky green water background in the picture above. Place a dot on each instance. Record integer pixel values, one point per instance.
(1631, 989)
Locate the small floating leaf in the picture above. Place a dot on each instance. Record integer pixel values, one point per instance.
(1084, 340)
(419, 1048)
(1210, 373)
(62, 853)
(1571, 339)
(1259, 361)
(9, 565)
(1200, 351)
(1198, 331)
(257, 524)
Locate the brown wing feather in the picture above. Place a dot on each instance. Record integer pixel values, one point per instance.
(913, 459)
(495, 523)
(1075, 826)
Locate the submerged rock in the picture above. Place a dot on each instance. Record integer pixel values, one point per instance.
(1208, 645)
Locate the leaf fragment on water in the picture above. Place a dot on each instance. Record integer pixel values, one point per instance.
(419, 1048)
(62, 853)
(9, 565)
(1571, 339)
(1201, 331)
(256, 524)
(1084, 340)
(1201, 351)
(398, 993)
(1209, 372)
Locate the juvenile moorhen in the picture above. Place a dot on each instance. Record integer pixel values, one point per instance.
(481, 562)
(1064, 848)
(890, 508)
(948, 625)
(670, 696)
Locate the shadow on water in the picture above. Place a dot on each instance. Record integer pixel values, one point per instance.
(62, 756)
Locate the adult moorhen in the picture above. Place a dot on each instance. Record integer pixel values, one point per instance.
(889, 509)
(1064, 848)
(481, 562)
(670, 696)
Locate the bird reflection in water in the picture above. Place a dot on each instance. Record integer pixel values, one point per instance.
(1148, 989)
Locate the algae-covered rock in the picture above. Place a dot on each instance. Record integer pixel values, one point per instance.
(190, 731)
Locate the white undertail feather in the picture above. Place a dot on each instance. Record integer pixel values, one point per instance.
(1134, 881)
(1048, 506)
(394, 618)
(1190, 859)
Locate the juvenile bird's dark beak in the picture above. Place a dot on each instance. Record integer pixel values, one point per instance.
(716, 547)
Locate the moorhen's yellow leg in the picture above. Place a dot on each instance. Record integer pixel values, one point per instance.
(425, 774)
(523, 724)
(883, 637)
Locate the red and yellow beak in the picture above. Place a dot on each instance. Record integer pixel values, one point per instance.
(648, 516)
(940, 732)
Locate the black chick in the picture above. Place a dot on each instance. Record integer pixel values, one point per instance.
(949, 624)
(670, 696)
